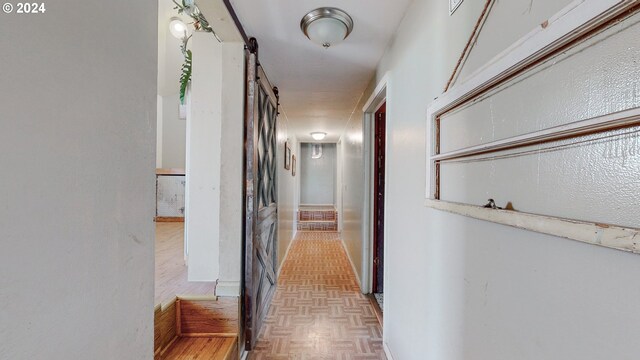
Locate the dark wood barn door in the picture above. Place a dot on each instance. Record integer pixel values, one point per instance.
(261, 210)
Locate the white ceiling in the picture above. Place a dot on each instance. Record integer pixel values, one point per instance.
(319, 88)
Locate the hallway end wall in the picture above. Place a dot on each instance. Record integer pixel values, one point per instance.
(317, 176)
(78, 122)
(464, 288)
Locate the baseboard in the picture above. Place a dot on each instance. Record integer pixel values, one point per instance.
(376, 308)
(387, 351)
(286, 253)
(353, 267)
(169, 219)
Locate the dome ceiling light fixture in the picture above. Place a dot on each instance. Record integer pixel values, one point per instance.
(178, 28)
(326, 26)
(318, 135)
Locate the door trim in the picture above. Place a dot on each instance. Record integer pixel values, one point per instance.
(377, 98)
(380, 134)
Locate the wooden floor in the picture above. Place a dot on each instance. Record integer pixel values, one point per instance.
(201, 348)
(318, 311)
(171, 271)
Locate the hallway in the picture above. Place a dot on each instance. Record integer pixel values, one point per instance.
(318, 311)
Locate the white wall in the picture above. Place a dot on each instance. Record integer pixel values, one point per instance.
(464, 288)
(353, 192)
(172, 145)
(317, 176)
(174, 133)
(215, 125)
(231, 169)
(287, 189)
(204, 134)
(78, 100)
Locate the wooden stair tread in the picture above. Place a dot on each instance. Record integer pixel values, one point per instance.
(204, 348)
(318, 221)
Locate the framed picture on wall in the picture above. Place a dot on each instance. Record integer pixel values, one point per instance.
(453, 5)
(293, 165)
(287, 156)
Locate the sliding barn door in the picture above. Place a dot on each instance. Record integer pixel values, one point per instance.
(261, 210)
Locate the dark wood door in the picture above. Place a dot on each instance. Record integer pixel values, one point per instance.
(261, 210)
(378, 201)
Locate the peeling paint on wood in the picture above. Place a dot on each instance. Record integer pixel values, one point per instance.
(607, 235)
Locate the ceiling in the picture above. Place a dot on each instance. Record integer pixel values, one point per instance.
(319, 88)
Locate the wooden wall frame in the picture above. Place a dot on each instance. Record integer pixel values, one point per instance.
(573, 24)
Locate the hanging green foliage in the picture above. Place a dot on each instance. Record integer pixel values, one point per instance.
(189, 7)
(185, 76)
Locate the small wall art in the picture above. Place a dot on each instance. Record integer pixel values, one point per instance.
(287, 156)
(453, 5)
(293, 165)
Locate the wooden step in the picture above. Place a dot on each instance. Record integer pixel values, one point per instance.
(317, 215)
(197, 327)
(317, 218)
(317, 225)
(209, 348)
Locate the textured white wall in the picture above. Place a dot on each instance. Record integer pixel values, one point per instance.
(231, 168)
(78, 99)
(172, 147)
(464, 288)
(174, 133)
(353, 192)
(317, 176)
(215, 163)
(559, 181)
(204, 134)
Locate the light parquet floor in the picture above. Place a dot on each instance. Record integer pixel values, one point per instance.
(318, 311)
(170, 270)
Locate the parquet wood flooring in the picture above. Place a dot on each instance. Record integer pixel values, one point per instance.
(170, 269)
(202, 348)
(318, 311)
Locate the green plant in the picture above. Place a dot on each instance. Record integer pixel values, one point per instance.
(190, 8)
(185, 76)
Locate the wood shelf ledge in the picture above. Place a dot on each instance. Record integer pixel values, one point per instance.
(610, 236)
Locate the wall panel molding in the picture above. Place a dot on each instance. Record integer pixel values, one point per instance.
(573, 25)
(610, 236)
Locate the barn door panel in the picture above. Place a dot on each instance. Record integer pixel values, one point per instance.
(261, 209)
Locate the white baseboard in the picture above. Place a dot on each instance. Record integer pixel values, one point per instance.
(286, 253)
(387, 351)
(353, 267)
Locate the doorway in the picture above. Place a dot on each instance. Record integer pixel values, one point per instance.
(379, 157)
(318, 191)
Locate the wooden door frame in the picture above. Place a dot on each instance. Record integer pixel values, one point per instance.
(378, 237)
(377, 98)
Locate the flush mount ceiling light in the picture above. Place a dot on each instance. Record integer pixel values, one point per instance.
(326, 26)
(178, 28)
(318, 135)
